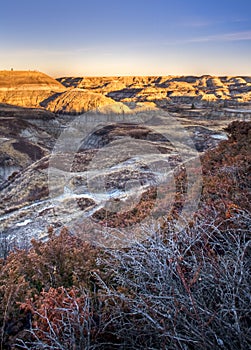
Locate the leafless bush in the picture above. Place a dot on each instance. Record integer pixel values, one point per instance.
(187, 290)
(176, 290)
(63, 320)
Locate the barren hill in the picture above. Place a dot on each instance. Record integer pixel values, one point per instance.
(35, 89)
(27, 88)
(13, 80)
(77, 101)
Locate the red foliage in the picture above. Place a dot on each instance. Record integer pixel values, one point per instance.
(62, 315)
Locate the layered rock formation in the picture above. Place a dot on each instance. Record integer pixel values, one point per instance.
(27, 88)
(185, 89)
(27, 80)
(78, 101)
(26, 135)
(76, 95)
(35, 89)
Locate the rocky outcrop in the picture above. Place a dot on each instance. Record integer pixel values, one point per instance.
(77, 101)
(44, 120)
(25, 188)
(16, 155)
(26, 135)
(114, 132)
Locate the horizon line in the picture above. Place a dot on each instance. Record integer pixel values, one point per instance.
(124, 76)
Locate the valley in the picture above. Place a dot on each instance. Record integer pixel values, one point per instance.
(74, 148)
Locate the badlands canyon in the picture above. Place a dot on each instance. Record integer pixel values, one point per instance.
(125, 212)
(165, 119)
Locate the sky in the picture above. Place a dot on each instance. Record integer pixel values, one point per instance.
(126, 37)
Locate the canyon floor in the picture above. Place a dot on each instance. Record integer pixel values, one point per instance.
(77, 148)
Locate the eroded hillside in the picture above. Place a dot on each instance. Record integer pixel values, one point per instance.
(75, 95)
(181, 89)
(130, 135)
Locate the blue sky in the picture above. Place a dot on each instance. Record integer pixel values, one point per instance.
(133, 37)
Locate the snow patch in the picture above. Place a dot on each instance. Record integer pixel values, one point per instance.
(220, 137)
(24, 223)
